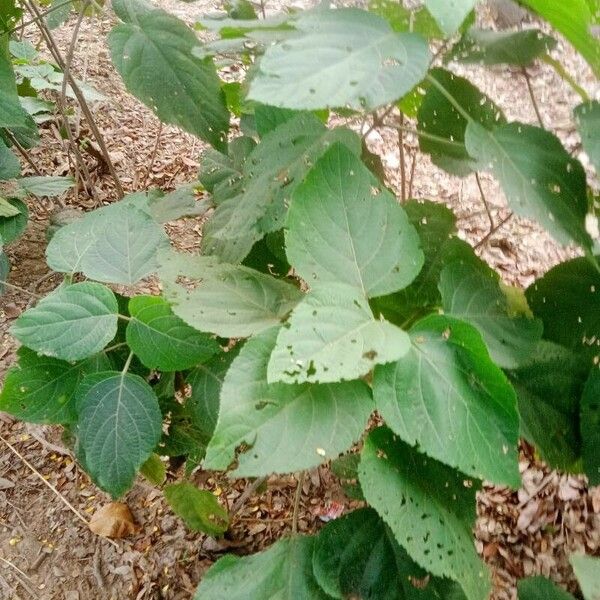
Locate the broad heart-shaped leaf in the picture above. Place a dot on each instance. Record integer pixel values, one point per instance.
(282, 572)
(587, 571)
(9, 163)
(269, 175)
(488, 47)
(590, 427)
(340, 58)
(567, 299)
(332, 335)
(199, 509)
(429, 507)
(357, 556)
(152, 51)
(548, 388)
(228, 300)
(344, 228)
(12, 227)
(287, 427)
(115, 244)
(476, 297)
(45, 186)
(161, 340)
(539, 178)
(71, 323)
(449, 398)
(574, 20)
(119, 426)
(540, 588)
(438, 117)
(588, 120)
(40, 389)
(450, 14)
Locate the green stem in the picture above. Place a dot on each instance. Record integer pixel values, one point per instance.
(127, 363)
(425, 135)
(449, 97)
(536, 108)
(564, 75)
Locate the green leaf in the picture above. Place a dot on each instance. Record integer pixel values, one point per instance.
(152, 51)
(12, 227)
(228, 300)
(284, 570)
(450, 15)
(58, 13)
(7, 209)
(9, 163)
(587, 571)
(199, 509)
(45, 186)
(429, 507)
(449, 398)
(333, 335)
(540, 588)
(540, 179)
(357, 557)
(476, 297)
(162, 340)
(154, 470)
(488, 47)
(115, 244)
(40, 389)
(258, 201)
(574, 20)
(590, 427)
(588, 121)
(439, 118)
(71, 323)
(268, 118)
(177, 204)
(287, 428)
(119, 427)
(340, 58)
(403, 19)
(344, 227)
(567, 299)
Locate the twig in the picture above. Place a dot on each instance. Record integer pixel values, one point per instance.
(250, 489)
(153, 155)
(565, 76)
(402, 161)
(27, 578)
(536, 108)
(487, 208)
(297, 502)
(413, 166)
(377, 121)
(19, 289)
(22, 151)
(43, 15)
(490, 233)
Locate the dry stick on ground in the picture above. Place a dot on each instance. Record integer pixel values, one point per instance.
(402, 161)
(297, 495)
(153, 155)
(413, 167)
(22, 574)
(532, 96)
(483, 199)
(250, 489)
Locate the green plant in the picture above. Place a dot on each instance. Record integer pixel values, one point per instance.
(319, 298)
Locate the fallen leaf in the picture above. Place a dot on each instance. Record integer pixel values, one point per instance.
(113, 520)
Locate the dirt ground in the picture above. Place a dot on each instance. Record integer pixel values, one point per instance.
(46, 549)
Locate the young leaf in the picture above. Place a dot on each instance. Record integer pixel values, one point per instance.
(590, 427)
(11, 227)
(119, 426)
(45, 186)
(587, 571)
(340, 58)
(429, 507)
(284, 570)
(228, 300)
(450, 15)
(540, 588)
(154, 470)
(588, 120)
(162, 340)
(152, 51)
(289, 427)
(540, 179)
(71, 323)
(449, 398)
(332, 335)
(199, 509)
(343, 227)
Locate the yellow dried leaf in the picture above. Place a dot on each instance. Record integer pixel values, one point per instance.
(113, 520)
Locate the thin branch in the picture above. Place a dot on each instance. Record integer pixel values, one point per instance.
(250, 489)
(413, 167)
(127, 364)
(402, 160)
(483, 199)
(43, 16)
(22, 151)
(19, 289)
(153, 155)
(565, 76)
(490, 233)
(297, 502)
(536, 108)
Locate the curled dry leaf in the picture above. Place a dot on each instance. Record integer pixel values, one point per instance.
(113, 520)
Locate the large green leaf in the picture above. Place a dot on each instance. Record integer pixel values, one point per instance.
(439, 118)
(567, 299)
(287, 428)
(228, 300)
(199, 509)
(340, 58)
(152, 50)
(449, 398)
(356, 556)
(450, 14)
(588, 120)
(256, 202)
(161, 340)
(344, 228)
(333, 335)
(475, 297)
(403, 19)
(40, 389)
(590, 427)
(282, 572)
(115, 244)
(587, 571)
(71, 323)
(540, 588)
(429, 507)
(45, 186)
(12, 227)
(119, 426)
(574, 20)
(540, 179)
(9, 163)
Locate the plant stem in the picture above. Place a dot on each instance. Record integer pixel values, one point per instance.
(153, 155)
(297, 502)
(413, 166)
(490, 233)
(22, 151)
(127, 364)
(532, 96)
(483, 199)
(565, 76)
(43, 15)
(402, 161)
(425, 135)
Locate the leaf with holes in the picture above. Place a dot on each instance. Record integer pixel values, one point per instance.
(590, 427)
(429, 507)
(287, 428)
